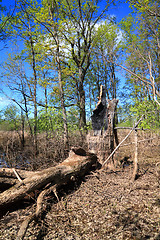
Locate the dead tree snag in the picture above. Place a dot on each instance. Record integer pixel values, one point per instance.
(101, 141)
(99, 117)
(112, 104)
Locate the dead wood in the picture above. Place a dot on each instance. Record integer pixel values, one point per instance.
(8, 172)
(157, 170)
(8, 181)
(144, 140)
(144, 129)
(77, 164)
(36, 214)
(135, 170)
(74, 165)
(99, 117)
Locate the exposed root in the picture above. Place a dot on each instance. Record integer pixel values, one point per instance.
(24, 226)
(38, 212)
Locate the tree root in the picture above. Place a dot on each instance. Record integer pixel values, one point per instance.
(38, 213)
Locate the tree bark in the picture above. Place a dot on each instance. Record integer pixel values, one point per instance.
(77, 164)
(65, 125)
(9, 173)
(33, 54)
(58, 61)
(82, 121)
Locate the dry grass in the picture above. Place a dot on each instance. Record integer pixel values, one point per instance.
(103, 205)
(51, 149)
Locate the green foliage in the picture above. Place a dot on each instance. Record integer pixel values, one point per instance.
(50, 120)
(107, 46)
(73, 121)
(4, 20)
(1, 117)
(142, 33)
(142, 36)
(69, 31)
(125, 117)
(10, 119)
(108, 37)
(150, 111)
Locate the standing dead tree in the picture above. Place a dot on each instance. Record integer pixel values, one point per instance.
(101, 141)
(99, 117)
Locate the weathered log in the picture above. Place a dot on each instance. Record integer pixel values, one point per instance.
(8, 172)
(77, 164)
(7, 181)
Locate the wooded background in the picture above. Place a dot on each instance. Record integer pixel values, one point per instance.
(62, 53)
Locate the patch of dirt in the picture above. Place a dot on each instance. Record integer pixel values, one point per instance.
(105, 205)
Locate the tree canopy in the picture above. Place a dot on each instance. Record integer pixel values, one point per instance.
(64, 51)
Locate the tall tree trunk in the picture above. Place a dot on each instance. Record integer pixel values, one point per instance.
(34, 90)
(27, 116)
(114, 96)
(65, 126)
(55, 36)
(22, 129)
(82, 121)
(46, 117)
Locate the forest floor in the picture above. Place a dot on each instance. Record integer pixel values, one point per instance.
(102, 205)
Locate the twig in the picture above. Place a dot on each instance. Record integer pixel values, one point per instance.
(14, 170)
(122, 141)
(131, 128)
(20, 180)
(148, 139)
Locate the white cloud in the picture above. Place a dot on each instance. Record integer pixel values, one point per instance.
(4, 102)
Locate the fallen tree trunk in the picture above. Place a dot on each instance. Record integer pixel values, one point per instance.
(8, 172)
(8, 181)
(77, 164)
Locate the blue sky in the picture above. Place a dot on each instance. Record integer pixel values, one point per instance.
(118, 11)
